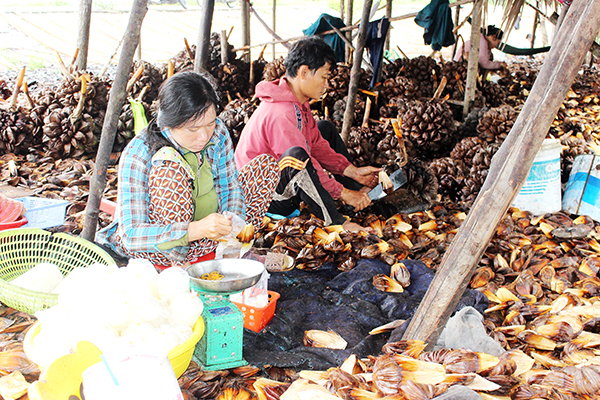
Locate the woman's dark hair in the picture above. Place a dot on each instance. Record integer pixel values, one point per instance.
(492, 30)
(312, 52)
(185, 96)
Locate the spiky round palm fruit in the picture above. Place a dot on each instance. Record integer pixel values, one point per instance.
(420, 181)
(72, 127)
(214, 50)
(473, 183)
(425, 74)
(466, 149)
(572, 146)
(337, 89)
(392, 70)
(19, 131)
(496, 123)
(469, 125)
(235, 116)
(456, 75)
(233, 80)
(394, 92)
(430, 126)
(274, 69)
(494, 94)
(151, 78)
(450, 174)
(5, 91)
(125, 128)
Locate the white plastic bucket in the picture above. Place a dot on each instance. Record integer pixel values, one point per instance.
(541, 192)
(582, 194)
(135, 377)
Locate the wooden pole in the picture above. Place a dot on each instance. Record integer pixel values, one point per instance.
(113, 111)
(342, 9)
(473, 66)
(355, 71)
(202, 56)
(83, 40)
(224, 45)
(246, 28)
(508, 171)
(274, 22)
(536, 21)
(563, 12)
(388, 14)
(349, 12)
(456, 22)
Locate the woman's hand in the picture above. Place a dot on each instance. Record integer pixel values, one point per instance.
(367, 176)
(213, 226)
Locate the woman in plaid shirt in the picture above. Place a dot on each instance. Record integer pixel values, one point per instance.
(177, 177)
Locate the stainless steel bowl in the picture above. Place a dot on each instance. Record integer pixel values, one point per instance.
(238, 274)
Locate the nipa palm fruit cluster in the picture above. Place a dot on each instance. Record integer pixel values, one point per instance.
(424, 72)
(73, 116)
(456, 75)
(235, 116)
(20, 131)
(274, 69)
(430, 127)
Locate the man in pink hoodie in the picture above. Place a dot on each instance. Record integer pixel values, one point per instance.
(283, 126)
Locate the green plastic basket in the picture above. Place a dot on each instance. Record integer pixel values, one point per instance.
(23, 249)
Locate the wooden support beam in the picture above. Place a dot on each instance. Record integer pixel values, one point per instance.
(349, 22)
(224, 45)
(83, 39)
(473, 65)
(456, 22)
(203, 43)
(245, 10)
(113, 111)
(388, 14)
(355, 71)
(274, 22)
(508, 171)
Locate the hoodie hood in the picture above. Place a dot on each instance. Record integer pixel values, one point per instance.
(275, 92)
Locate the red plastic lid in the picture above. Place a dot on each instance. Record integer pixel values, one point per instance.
(14, 224)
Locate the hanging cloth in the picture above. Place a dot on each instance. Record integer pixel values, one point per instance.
(436, 19)
(323, 24)
(376, 35)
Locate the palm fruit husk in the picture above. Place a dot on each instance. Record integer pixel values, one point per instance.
(400, 274)
(409, 347)
(386, 284)
(430, 127)
(466, 361)
(268, 389)
(274, 69)
(327, 339)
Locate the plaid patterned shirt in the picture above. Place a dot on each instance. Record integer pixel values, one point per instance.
(131, 219)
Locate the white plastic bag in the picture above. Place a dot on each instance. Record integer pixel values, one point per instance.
(256, 296)
(229, 246)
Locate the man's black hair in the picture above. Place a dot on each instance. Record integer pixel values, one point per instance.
(492, 30)
(312, 52)
(185, 96)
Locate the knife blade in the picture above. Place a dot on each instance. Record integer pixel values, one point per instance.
(398, 179)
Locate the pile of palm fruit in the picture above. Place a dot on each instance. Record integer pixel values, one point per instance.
(542, 283)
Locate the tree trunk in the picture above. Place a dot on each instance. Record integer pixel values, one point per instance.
(508, 171)
(349, 16)
(355, 71)
(83, 41)
(113, 111)
(202, 56)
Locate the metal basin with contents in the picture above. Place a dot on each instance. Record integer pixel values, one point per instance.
(238, 274)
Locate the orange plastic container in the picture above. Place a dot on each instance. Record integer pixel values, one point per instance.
(256, 319)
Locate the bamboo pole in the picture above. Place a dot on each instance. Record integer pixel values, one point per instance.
(508, 171)
(473, 65)
(536, 21)
(113, 110)
(202, 56)
(388, 14)
(355, 71)
(83, 40)
(456, 22)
